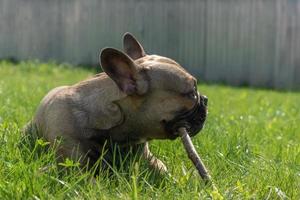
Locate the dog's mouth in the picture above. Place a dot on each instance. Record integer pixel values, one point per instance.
(193, 120)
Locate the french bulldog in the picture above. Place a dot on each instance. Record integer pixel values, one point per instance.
(136, 99)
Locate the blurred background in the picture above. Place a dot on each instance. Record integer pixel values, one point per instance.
(237, 42)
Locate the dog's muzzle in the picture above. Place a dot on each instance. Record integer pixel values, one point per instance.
(193, 120)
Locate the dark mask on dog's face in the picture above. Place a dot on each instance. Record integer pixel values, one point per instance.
(193, 120)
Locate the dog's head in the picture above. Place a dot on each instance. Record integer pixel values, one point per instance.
(161, 95)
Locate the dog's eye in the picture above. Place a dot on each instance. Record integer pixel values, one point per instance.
(191, 95)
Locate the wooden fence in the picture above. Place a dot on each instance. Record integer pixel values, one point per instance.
(255, 42)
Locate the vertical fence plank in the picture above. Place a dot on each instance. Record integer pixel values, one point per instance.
(288, 45)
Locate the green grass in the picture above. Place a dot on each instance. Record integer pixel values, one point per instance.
(251, 145)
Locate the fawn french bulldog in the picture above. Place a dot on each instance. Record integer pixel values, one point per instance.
(136, 99)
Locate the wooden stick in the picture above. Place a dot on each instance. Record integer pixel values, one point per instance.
(193, 155)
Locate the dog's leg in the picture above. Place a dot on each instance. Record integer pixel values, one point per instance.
(154, 162)
(73, 153)
(80, 152)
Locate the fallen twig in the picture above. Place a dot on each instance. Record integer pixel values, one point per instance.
(193, 155)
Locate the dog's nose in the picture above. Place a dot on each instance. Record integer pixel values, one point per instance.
(204, 99)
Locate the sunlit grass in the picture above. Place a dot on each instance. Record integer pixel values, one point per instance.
(251, 145)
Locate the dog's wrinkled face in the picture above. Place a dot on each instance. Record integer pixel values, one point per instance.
(172, 98)
(161, 95)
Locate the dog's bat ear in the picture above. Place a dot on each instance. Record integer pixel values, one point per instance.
(132, 47)
(120, 68)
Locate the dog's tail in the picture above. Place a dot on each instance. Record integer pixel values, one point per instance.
(29, 135)
(30, 129)
(30, 132)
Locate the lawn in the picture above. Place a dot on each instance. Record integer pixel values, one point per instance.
(250, 144)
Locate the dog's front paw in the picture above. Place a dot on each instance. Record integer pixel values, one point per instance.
(158, 166)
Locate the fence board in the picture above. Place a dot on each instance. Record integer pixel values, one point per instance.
(255, 42)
